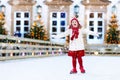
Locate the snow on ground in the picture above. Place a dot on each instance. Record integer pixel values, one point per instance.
(58, 68)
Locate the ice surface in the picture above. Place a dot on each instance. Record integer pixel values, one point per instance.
(58, 68)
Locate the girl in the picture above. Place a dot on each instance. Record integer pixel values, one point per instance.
(76, 45)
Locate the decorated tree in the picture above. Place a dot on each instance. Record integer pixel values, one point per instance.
(2, 22)
(112, 35)
(37, 31)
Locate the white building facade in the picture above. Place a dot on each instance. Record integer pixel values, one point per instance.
(56, 15)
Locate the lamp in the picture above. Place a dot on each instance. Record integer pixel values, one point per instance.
(76, 10)
(39, 9)
(2, 8)
(113, 9)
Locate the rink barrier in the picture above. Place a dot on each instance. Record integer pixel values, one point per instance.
(103, 49)
(16, 48)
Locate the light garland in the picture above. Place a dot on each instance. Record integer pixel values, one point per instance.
(96, 53)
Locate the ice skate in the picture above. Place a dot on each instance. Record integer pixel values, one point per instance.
(82, 70)
(73, 71)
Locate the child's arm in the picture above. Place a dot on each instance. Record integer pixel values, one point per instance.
(86, 31)
(63, 34)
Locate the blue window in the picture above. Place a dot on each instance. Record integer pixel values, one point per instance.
(91, 28)
(91, 37)
(18, 22)
(99, 23)
(91, 23)
(26, 28)
(26, 22)
(100, 36)
(26, 15)
(54, 23)
(62, 29)
(100, 15)
(54, 29)
(99, 29)
(18, 15)
(54, 15)
(63, 15)
(62, 23)
(91, 15)
(18, 29)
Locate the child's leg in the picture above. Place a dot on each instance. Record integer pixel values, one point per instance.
(80, 61)
(74, 62)
(74, 70)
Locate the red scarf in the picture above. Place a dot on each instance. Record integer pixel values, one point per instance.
(75, 33)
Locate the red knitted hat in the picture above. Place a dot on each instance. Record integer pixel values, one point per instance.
(79, 26)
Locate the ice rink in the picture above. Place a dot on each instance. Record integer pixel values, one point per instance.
(58, 68)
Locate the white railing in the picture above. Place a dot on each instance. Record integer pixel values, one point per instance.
(16, 48)
(103, 49)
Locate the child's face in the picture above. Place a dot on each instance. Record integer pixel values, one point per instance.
(74, 23)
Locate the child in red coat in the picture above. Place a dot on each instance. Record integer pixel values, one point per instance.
(76, 45)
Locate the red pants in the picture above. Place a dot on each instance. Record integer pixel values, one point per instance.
(77, 55)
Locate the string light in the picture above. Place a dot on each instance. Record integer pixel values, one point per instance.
(96, 53)
(52, 52)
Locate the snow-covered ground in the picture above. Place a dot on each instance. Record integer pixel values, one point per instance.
(57, 68)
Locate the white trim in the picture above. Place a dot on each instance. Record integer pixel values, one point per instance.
(58, 26)
(96, 40)
(22, 19)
